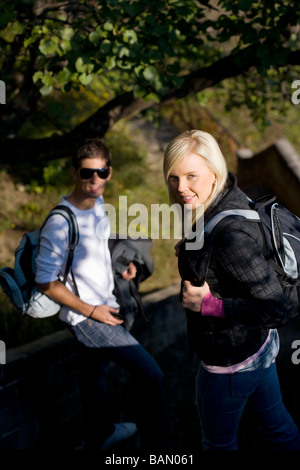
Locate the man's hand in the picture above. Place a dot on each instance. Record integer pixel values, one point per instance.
(60, 293)
(104, 313)
(192, 296)
(177, 247)
(130, 273)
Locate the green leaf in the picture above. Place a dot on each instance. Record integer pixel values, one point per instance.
(82, 67)
(65, 45)
(95, 37)
(152, 96)
(30, 40)
(138, 69)
(85, 79)
(130, 36)
(150, 73)
(124, 52)
(12, 30)
(138, 92)
(17, 28)
(110, 62)
(79, 64)
(67, 33)
(48, 79)
(108, 26)
(123, 64)
(46, 90)
(64, 75)
(49, 46)
(132, 9)
(37, 76)
(106, 46)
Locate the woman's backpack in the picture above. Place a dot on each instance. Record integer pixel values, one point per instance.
(281, 233)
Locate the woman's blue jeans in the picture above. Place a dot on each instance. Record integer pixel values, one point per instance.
(101, 344)
(221, 399)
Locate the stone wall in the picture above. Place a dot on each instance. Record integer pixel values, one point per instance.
(39, 394)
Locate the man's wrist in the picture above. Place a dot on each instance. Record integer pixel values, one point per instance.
(91, 314)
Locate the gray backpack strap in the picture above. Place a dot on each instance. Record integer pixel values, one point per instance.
(245, 213)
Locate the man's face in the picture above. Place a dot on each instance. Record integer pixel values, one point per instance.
(90, 184)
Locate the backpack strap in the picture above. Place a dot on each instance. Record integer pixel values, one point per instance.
(249, 214)
(221, 220)
(69, 215)
(262, 201)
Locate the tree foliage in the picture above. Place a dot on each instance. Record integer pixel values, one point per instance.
(130, 55)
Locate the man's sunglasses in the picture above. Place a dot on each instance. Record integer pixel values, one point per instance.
(87, 173)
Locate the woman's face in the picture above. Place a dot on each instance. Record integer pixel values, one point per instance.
(192, 181)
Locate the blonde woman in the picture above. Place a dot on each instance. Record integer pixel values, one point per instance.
(233, 316)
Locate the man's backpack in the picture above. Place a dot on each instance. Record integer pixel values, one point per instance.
(19, 284)
(281, 234)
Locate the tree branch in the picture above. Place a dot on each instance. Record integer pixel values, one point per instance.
(124, 105)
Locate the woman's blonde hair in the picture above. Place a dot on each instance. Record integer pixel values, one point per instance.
(203, 144)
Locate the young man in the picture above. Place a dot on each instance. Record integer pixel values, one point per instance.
(93, 315)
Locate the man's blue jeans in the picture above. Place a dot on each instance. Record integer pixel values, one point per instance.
(221, 399)
(100, 344)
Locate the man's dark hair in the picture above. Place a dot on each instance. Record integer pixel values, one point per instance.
(90, 148)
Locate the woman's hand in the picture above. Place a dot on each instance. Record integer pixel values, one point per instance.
(192, 296)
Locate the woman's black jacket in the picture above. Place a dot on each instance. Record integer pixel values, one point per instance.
(239, 274)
